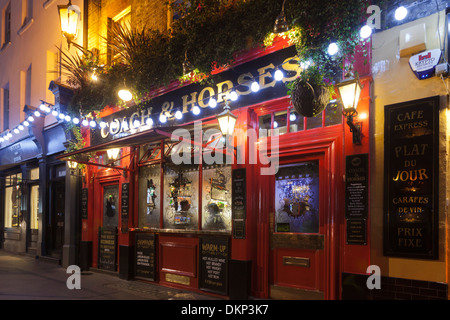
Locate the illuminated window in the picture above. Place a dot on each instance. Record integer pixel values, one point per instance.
(123, 19)
(13, 193)
(297, 198)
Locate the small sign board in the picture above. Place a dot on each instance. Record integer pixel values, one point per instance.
(107, 248)
(214, 256)
(145, 256)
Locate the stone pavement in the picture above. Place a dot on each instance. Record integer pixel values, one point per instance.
(25, 278)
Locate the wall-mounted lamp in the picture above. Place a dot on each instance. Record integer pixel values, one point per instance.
(113, 154)
(227, 121)
(69, 16)
(72, 164)
(350, 91)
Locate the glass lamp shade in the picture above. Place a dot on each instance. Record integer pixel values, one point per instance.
(69, 16)
(113, 154)
(350, 91)
(72, 164)
(227, 121)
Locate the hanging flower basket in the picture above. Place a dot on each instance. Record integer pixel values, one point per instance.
(309, 99)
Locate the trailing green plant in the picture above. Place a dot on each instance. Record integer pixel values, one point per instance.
(212, 33)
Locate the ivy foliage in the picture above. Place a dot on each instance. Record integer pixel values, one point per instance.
(210, 33)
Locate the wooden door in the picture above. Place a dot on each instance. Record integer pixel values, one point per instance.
(298, 229)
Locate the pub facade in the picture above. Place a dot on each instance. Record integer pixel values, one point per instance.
(286, 206)
(171, 200)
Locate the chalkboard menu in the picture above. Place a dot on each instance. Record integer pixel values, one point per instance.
(411, 179)
(214, 256)
(238, 202)
(145, 256)
(84, 203)
(107, 248)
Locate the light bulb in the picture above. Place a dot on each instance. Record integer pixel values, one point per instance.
(292, 117)
(149, 121)
(61, 116)
(365, 32)
(30, 119)
(16, 131)
(85, 123)
(68, 118)
(43, 107)
(333, 49)
(162, 118)
(212, 103)
(55, 113)
(275, 124)
(93, 124)
(37, 113)
(136, 123)
(196, 110)
(21, 127)
(76, 120)
(401, 13)
(102, 124)
(178, 114)
(233, 96)
(255, 86)
(279, 75)
(26, 123)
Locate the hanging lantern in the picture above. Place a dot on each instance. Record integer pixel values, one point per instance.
(227, 121)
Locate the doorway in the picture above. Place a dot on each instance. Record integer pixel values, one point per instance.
(56, 219)
(297, 230)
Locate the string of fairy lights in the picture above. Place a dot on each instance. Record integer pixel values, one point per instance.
(46, 108)
(231, 94)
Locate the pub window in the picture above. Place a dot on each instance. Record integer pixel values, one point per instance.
(180, 197)
(216, 198)
(282, 122)
(13, 192)
(150, 196)
(297, 198)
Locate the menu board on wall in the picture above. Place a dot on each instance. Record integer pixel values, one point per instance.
(411, 179)
(238, 202)
(107, 248)
(214, 255)
(145, 256)
(357, 186)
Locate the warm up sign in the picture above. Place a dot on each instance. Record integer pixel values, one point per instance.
(411, 179)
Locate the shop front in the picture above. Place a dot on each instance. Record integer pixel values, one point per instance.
(168, 198)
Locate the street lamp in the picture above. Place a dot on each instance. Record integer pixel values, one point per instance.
(350, 91)
(69, 16)
(227, 121)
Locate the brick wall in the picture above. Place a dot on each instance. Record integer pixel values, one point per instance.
(354, 288)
